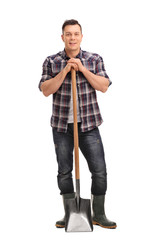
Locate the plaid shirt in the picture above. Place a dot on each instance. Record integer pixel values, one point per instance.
(89, 109)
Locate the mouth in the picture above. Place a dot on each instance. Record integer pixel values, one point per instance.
(72, 44)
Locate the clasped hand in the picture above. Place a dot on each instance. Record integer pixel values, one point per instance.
(76, 64)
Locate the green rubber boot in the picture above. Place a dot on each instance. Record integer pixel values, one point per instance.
(99, 217)
(61, 223)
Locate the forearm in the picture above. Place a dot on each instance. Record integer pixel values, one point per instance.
(52, 85)
(99, 83)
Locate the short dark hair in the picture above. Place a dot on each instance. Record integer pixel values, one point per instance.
(70, 22)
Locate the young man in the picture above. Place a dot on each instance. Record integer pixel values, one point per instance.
(56, 80)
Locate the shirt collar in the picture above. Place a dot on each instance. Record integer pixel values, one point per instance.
(64, 55)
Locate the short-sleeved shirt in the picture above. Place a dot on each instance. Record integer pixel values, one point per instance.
(89, 110)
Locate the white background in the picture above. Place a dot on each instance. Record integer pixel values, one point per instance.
(126, 34)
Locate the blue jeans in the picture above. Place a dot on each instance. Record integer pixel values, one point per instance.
(91, 146)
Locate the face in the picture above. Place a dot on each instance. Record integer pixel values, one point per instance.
(72, 37)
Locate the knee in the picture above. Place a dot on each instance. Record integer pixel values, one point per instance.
(99, 170)
(99, 175)
(64, 175)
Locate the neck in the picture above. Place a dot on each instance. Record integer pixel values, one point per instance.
(72, 54)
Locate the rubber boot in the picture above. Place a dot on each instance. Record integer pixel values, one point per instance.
(99, 217)
(61, 223)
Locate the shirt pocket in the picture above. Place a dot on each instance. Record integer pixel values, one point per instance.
(90, 65)
(56, 68)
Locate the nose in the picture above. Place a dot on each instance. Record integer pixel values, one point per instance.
(72, 36)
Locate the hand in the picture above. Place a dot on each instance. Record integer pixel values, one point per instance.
(71, 65)
(77, 61)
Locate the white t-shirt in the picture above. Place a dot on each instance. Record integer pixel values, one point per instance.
(70, 118)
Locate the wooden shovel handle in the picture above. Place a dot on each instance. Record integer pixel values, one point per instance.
(76, 145)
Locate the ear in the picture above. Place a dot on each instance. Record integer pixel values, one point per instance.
(81, 37)
(62, 36)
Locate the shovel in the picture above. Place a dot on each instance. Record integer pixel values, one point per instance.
(77, 210)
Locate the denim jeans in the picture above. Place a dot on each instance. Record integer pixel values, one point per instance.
(91, 146)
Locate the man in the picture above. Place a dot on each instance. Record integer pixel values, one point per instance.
(56, 80)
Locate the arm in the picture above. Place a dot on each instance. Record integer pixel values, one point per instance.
(99, 83)
(52, 85)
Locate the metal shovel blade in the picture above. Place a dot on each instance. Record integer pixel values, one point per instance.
(78, 215)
